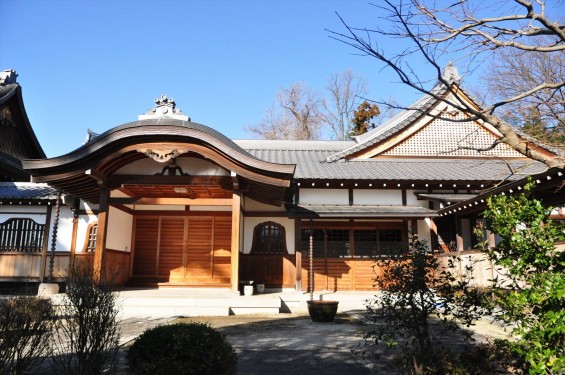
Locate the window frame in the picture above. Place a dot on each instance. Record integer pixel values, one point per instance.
(257, 244)
(350, 250)
(91, 238)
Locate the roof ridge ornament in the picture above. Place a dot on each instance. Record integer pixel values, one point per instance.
(8, 76)
(165, 108)
(450, 74)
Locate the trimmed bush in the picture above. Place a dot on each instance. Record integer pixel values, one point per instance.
(182, 349)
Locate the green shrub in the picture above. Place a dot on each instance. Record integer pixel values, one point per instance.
(25, 331)
(182, 349)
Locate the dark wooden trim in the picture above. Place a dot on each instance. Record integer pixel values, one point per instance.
(353, 225)
(224, 181)
(404, 199)
(363, 184)
(350, 192)
(150, 213)
(266, 214)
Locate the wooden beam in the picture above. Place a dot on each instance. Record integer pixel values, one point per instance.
(45, 244)
(103, 208)
(126, 179)
(186, 201)
(235, 240)
(73, 241)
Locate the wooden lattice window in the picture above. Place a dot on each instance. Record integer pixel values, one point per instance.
(21, 235)
(91, 235)
(269, 238)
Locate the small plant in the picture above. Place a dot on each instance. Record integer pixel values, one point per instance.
(88, 333)
(414, 290)
(25, 331)
(182, 349)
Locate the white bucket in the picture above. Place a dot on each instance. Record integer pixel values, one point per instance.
(248, 290)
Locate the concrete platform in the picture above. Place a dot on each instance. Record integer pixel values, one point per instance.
(191, 302)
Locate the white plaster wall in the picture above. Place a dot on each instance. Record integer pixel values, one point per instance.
(412, 200)
(324, 196)
(377, 196)
(120, 226)
(253, 205)
(36, 213)
(64, 229)
(192, 166)
(251, 222)
(83, 222)
(424, 233)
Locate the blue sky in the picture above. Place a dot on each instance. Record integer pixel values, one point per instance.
(97, 64)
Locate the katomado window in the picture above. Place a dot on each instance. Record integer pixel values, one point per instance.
(91, 236)
(351, 242)
(269, 238)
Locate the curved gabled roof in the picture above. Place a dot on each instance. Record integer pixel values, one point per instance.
(11, 96)
(119, 146)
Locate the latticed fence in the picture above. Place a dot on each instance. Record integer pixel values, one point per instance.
(21, 235)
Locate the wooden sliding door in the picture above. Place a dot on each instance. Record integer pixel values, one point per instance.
(189, 250)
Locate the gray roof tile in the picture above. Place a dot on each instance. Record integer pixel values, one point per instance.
(311, 164)
(26, 191)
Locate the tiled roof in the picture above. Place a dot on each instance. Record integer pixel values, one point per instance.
(310, 159)
(392, 126)
(359, 211)
(26, 191)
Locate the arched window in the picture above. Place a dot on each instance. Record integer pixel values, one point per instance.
(269, 238)
(91, 235)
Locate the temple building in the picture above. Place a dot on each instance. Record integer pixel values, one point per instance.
(167, 201)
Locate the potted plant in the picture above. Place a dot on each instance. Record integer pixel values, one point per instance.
(319, 310)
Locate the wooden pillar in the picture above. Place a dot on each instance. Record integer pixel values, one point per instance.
(104, 209)
(73, 241)
(434, 242)
(298, 253)
(458, 233)
(45, 244)
(235, 240)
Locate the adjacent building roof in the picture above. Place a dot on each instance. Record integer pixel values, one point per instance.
(26, 191)
(311, 162)
(341, 211)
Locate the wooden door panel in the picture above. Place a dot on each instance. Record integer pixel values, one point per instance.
(199, 248)
(146, 243)
(171, 247)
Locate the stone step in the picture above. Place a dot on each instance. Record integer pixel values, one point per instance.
(225, 305)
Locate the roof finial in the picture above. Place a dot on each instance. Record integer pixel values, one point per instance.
(8, 76)
(450, 74)
(164, 108)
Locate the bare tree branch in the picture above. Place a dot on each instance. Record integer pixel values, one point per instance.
(434, 32)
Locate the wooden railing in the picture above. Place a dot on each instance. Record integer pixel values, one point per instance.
(21, 235)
